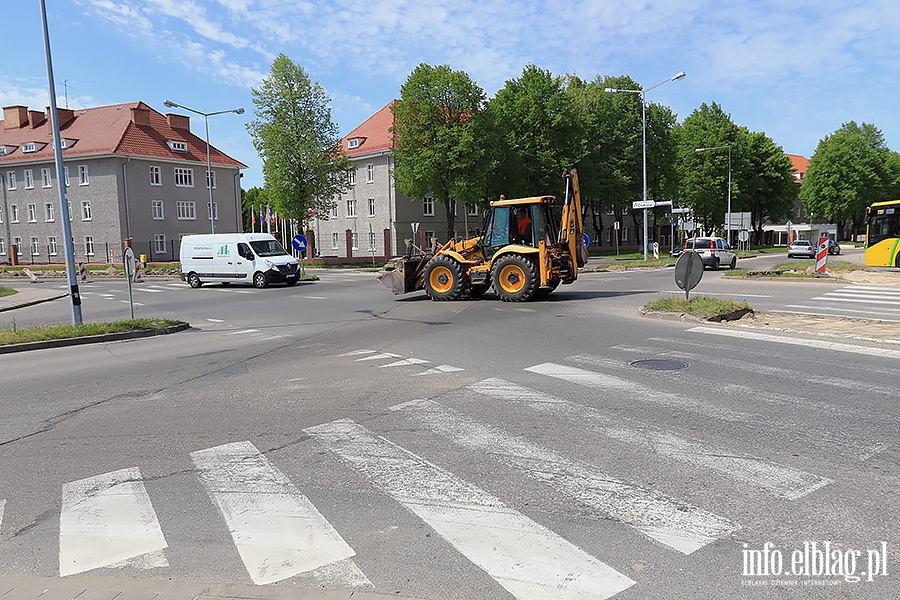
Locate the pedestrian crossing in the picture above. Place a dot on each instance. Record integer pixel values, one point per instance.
(863, 301)
(281, 530)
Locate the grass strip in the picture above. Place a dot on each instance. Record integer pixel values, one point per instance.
(5, 291)
(58, 331)
(702, 307)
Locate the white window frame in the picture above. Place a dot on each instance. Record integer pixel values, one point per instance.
(18, 242)
(35, 246)
(472, 209)
(372, 204)
(52, 248)
(87, 214)
(334, 240)
(83, 175)
(209, 213)
(31, 210)
(46, 179)
(66, 175)
(351, 176)
(211, 175)
(159, 243)
(351, 208)
(184, 177)
(186, 210)
(13, 213)
(371, 241)
(48, 212)
(370, 173)
(354, 241)
(428, 206)
(2, 246)
(155, 175)
(158, 210)
(1, 214)
(89, 245)
(11, 180)
(334, 209)
(29, 179)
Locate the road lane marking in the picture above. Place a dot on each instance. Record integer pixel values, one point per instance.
(379, 356)
(526, 558)
(276, 529)
(636, 391)
(675, 524)
(775, 479)
(440, 369)
(315, 297)
(108, 520)
(857, 299)
(405, 361)
(357, 352)
(779, 339)
(243, 331)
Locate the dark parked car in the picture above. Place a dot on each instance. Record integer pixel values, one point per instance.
(801, 248)
(833, 247)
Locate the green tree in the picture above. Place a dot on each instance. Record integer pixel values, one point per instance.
(251, 201)
(304, 165)
(765, 184)
(851, 169)
(437, 150)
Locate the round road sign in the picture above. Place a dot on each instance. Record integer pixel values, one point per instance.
(688, 270)
(299, 243)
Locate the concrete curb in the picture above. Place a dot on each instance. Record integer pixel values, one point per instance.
(92, 339)
(33, 302)
(99, 588)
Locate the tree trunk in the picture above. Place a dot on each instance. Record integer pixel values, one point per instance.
(450, 207)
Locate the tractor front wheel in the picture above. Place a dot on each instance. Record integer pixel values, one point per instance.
(443, 278)
(515, 278)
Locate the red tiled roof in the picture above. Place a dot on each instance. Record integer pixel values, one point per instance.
(374, 134)
(799, 165)
(106, 130)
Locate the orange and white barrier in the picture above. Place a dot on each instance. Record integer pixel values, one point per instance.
(137, 274)
(82, 272)
(821, 256)
(32, 276)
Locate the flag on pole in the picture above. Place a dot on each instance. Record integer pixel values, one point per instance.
(253, 216)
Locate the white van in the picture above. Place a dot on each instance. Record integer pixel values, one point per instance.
(255, 258)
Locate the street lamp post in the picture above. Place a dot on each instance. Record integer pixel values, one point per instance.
(728, 208)
(643, 93)
(209, 182)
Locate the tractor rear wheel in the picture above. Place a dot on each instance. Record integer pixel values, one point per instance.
(443, 278)
(515, 278)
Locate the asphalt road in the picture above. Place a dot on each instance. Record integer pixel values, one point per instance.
(334, 436)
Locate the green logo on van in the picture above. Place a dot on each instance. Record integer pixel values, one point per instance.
(223, 250)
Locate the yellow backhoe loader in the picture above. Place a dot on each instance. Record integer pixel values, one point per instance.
(520, 259)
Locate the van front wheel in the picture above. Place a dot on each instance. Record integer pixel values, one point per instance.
(259, 280)
(194, 280)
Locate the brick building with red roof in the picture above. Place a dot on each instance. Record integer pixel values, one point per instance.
(131, 172)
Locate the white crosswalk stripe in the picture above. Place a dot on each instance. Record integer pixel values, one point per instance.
(856, 300)
(775, 479)
(781, 339)
(106, 521)
(675, 524)
(276, 529)
(527, 559)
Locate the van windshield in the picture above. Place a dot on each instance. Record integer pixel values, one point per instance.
(265, 248)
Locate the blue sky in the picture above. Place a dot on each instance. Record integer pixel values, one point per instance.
(793, 70)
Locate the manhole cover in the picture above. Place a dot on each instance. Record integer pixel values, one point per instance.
(659, 364)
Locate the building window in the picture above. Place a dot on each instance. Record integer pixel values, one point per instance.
(155, 175)
(472, 209)
(429, 239)
(51, 245)
(2, 246)
(18, 242)
(71, 214)
(14, 213)
(1, 214)
(334, 210)
(351, 207)
(11, 180)
(83, 178)
(45, 178)
(48, 211)
(184, 177)
(370, 173)
(159, 213)
(66, 175)
(371, 241)
(215, 206)
(32, 212)
(35, 246)
(187, 211)
(86, 214)
(89, 245)
(428, 207)
(371, 207)
(351, 175)
(334, 241)
(354, 241)
(159, 243)
(29, 179)
(211, 179)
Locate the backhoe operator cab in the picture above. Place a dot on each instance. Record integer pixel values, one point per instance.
(529, 247)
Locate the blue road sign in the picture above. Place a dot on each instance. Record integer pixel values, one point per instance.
(299, 243)
(587, 240)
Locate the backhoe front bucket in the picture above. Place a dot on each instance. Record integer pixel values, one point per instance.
(402, 275)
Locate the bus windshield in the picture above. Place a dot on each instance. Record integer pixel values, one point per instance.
(883, 235)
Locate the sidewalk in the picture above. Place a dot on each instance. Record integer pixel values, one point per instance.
(31, 294)
(96, 588)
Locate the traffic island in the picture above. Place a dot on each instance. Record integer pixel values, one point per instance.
(58, 336)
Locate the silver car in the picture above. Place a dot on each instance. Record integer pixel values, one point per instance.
(714, 251)
(802, 248)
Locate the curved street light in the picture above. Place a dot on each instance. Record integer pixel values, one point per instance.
(209, 182)
(728, 209)
(643, 93)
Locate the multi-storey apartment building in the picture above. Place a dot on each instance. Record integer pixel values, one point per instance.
(131, 173)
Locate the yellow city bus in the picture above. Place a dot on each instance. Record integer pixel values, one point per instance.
(883, 234)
